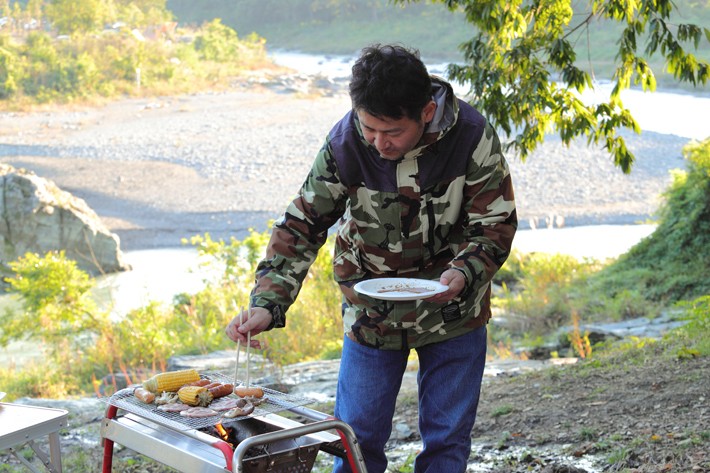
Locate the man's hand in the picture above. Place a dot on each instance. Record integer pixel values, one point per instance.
(259, 320)
(455, 280)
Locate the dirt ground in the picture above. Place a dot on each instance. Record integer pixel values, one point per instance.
(652, 416)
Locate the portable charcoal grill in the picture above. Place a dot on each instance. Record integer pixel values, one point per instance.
(261, 442)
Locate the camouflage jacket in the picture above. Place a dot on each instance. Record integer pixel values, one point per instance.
(448, 204)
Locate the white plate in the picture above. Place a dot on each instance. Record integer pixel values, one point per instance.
(399, 289)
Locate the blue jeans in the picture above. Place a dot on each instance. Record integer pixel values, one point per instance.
(449, 381)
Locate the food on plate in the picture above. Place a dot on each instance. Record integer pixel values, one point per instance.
(221, 390)
(195, 395)
(243, 391)
(243, 408)
(171, 380)
(405, 288)
(174, 407)
(166, 398)
(198, 412)
(144, 395)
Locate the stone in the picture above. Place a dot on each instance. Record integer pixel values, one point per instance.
(38, 217)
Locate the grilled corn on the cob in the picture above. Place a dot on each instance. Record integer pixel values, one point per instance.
(170, 381)
(195, 395)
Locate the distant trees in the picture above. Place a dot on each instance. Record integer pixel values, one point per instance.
(522, 66)
(90, 48)
(69, 17)
(77, 16)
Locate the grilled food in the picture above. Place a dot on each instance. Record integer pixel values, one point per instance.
(221, 390)
(144, 395)
(171, 380)
(248, 392)
(195, 395)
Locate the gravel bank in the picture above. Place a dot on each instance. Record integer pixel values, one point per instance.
(157, 170)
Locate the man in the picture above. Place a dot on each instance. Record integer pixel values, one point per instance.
(419, 188)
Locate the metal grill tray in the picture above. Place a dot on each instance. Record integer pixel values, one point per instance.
(275, 402)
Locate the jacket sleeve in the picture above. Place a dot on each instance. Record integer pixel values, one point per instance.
(490, 220)
(297, 237)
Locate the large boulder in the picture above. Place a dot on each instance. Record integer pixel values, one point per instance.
(38, 217)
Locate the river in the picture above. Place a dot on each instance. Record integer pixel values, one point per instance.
(673, 113)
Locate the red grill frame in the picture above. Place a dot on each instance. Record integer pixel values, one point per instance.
(233, 458)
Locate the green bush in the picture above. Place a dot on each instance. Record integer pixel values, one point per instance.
(695, 334)
(673, 263)
(59, 316)
(82, 342)
(9, 66)
(542, 295)
(217, 42)
(314, 325)
(57, 303)
(39, 381)
(542, 292)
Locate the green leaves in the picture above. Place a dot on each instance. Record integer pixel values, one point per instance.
(522, 66)
(58, 311)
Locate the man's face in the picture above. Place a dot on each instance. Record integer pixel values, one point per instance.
(393, 138)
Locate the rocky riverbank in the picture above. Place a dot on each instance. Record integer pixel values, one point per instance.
(160, 169)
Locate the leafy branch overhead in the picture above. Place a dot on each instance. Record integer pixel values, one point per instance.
(523, 69)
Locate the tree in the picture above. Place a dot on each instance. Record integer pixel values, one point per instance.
(77, 16)
(522, 67)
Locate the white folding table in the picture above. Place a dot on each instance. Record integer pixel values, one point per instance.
(21, 425)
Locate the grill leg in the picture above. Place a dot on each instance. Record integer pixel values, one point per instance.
(108, 444)
(357, 461)
(346, 433)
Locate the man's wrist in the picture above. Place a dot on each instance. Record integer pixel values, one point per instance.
(278, 318)
(462, 271)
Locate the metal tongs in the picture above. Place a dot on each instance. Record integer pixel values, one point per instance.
(236, 366)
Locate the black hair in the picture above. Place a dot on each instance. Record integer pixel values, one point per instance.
(390, 81)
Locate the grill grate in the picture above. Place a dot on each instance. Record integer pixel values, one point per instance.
(275, 402)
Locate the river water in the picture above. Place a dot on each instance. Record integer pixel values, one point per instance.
(680, 114)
